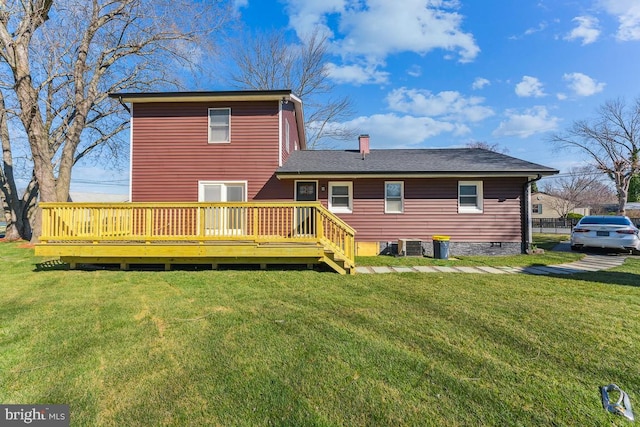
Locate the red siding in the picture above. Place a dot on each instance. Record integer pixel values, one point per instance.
(171, 152)
(431, 208)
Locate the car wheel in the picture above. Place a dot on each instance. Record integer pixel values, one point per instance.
(635, 251)
(576, 248)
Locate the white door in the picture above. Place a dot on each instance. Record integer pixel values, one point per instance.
(224, 220)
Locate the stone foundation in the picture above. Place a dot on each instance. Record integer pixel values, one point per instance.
(461, 248)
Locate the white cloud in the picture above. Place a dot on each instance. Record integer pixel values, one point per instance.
(418, 115)
(587, 30)
(307, 16)
(356, 74)
(530, 31)
(393, 131)
(377, 28)
(479, 83)
(628, 14)
(415, 71)
(532, 121)
(529, 87)
(541, 27)
(240, 3)
(583, 85)
(450, 105)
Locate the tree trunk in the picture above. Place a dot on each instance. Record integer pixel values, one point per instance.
(622, 201)
(18, 225)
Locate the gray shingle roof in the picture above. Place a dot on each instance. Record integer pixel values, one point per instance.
(449, 161)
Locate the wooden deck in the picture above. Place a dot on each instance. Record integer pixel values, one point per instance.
(196, 233)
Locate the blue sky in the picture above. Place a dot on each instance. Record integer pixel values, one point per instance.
(439, 73)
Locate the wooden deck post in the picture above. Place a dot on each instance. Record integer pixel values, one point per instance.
(148, 229)
(319, 225)
(256, 223)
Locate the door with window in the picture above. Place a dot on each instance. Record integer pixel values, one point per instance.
(305, 217)
(224, 220)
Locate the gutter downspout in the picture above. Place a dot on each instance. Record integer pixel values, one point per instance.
(123, 104)
(526, 221)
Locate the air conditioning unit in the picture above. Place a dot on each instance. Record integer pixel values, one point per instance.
(409, 247)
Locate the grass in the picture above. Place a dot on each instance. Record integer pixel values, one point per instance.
(252, 348)
(542, 241)
(548, 241)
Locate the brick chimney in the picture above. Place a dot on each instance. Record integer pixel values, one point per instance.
(364, 144)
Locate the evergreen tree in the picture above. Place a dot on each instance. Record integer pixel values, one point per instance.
(634, 189)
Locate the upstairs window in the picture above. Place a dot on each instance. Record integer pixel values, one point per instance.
(219, 125)
(536, 209)
(470, 196)
(341, 197)
(393, 197)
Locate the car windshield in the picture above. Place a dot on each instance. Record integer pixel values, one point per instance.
(614, 220)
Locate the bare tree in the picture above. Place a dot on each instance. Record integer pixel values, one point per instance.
(16, 209)
(496, 148)
(611, 142)
(265, 61)
(58, 62)
(581, 187)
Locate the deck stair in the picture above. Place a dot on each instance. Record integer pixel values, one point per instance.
(196, 233)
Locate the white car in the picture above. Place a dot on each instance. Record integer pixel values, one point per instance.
(611, 232)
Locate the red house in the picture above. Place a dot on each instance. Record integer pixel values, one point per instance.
(246, 146)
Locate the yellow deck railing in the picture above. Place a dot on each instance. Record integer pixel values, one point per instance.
(197, 222)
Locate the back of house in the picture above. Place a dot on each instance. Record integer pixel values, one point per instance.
(250, 146)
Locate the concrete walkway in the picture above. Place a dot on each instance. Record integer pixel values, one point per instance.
(587, 264)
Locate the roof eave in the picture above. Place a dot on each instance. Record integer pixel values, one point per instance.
(297, 104)
(405, 174)
(244, 95)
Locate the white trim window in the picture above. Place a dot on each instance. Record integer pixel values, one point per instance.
(536, 209)
(341, 197)
(219, 125)
(393, 197)
(223, 220)
(220, 191)
(470, 196)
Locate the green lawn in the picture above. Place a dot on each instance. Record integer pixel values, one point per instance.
(300, 348)
(549, 241)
